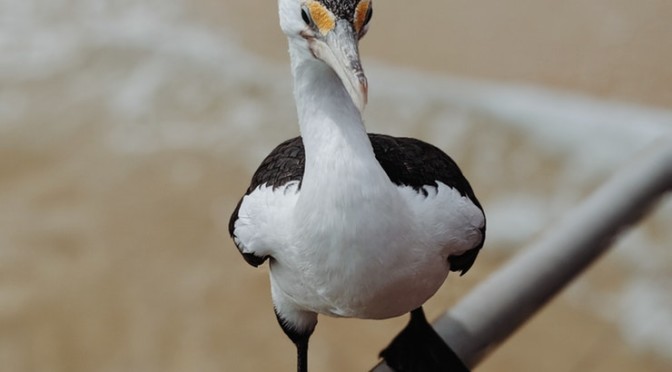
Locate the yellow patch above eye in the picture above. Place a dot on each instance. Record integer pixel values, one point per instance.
(322, 17)
(360, 14)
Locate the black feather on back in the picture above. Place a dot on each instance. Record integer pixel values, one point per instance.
(414, 163)
(284, 164)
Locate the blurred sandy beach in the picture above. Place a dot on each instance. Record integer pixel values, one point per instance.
(128, 131)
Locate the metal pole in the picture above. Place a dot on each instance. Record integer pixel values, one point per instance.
(490, 313)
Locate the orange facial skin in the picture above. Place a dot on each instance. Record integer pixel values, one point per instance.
(322, 17)
(360, 14)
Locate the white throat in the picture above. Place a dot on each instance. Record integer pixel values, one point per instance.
(327, 115)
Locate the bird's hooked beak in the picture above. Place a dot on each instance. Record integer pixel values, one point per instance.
(339, 49)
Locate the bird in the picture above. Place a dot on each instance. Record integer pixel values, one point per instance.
(353, 224)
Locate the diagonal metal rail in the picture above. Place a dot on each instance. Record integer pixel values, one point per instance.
(496, 308)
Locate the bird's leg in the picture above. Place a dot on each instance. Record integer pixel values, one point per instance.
(419, 348)
(302, 354)
(300, 339)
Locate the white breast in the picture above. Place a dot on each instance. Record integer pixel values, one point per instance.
(375, 255)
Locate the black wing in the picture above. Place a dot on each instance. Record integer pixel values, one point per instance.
(414, 163)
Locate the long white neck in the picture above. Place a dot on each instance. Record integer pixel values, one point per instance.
(328, 119)
(340, 163)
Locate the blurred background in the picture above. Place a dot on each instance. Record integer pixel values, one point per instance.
(130, 128)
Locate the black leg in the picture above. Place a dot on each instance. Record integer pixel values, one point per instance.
(418, 348)
(302, 354)
(300, 339)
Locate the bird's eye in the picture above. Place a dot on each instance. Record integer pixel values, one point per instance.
(369, 14)
(305, 16)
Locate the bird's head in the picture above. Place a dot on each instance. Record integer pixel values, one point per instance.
(329, 31)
